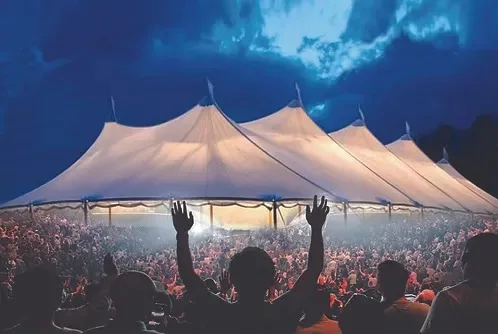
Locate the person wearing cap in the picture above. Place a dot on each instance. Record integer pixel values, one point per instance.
(400, 314)
(132, 294)
(471, 306)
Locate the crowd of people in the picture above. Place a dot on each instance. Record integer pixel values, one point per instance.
(60, 273)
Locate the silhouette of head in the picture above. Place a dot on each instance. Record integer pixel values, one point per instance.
(392, 279)
(480, 257)
(211, 285)
(251, 271)
(38, 291)
(361, 314)
(133, 295)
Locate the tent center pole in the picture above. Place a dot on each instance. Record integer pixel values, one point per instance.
(110, 216)
(85, 211)
(389, 208)
(211, 220)
(345, 211)
(274, 214)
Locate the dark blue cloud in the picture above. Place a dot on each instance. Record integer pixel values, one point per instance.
(427, 62)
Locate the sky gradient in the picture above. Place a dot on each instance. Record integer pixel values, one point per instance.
(423, 61)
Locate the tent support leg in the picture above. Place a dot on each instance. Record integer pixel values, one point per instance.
(110, 216)
(85, 211)
(31, 211)
(422, 212)
(345, 211)
(211, 222)
(390, 207)
(275, 214)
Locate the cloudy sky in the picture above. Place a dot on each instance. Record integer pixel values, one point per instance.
(422, 61)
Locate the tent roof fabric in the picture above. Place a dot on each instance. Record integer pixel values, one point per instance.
(407, 150)
(358, 140)
(201, 154)
(292, 137)
(448, 168)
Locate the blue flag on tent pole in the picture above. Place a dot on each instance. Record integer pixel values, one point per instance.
(445, 154)
(210, 89)
(113, 106)
(361, 114)
(298, 91)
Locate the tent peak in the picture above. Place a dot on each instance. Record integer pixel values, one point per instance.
(358, 123)
(206, 101)
(295, 104)
(406, 137)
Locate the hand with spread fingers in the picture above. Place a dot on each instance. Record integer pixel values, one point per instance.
(317, 216)
(182, 219)
(224, 283)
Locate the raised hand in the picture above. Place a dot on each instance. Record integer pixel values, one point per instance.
(224, 282)
(110, 267)
(182, 220)
(316, 217)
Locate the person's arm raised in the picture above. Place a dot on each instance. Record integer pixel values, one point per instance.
(183, 222)
(306, 283)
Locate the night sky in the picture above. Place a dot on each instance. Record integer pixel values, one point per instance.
(423, 61)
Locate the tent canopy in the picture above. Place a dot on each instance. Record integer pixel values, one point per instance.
(405, 149)
(201, 154)
(292, 137)
(358, 140)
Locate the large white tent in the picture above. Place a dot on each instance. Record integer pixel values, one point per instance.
(445, 165)
(201, 155)
(406, 149)
(358, 140)
(255, 174)
(292, 137)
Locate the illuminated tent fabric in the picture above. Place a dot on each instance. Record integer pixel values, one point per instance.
(405, 149)
(292, 137)
(360, 142)
(201, 154)
(448, 168)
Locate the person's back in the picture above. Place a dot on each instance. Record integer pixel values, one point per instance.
(471, 306)
(132, 294)
(315, 321)
(405, 316)
(400, 314)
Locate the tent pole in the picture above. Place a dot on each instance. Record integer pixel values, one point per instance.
(390, 207)
(85, 211)
(211, 216)
(110, 216)
(31, 211)
(422, 212)
(345, 210)
(274, 214)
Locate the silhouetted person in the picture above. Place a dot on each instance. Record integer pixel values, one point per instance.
(400, 314)
(471, 306)
(132, 294)
(315, 320)
(38, 293)
(252, 273)
(361, 314)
